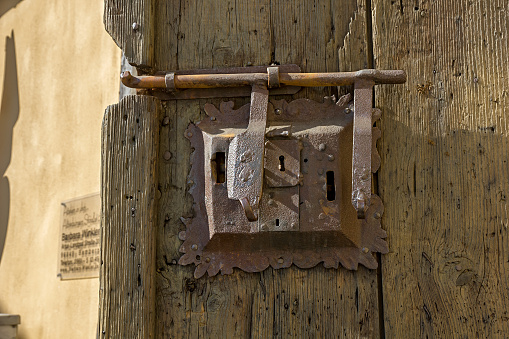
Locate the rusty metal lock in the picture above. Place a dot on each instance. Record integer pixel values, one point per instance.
(281, 182)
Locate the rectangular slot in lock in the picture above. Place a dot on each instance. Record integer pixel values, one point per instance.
(331, 186)
(218, 168)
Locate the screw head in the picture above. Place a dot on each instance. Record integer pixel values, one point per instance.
(212, 118)
(280, 261)
(135, 26)
(249, 63)
(365, 250)
(378, 215)
(348, 110)
(322, 147)
(167, 155)
(194, 247)
(278, 111)
(293, 225)
(331, 157)
(207, 259)
(189, 134)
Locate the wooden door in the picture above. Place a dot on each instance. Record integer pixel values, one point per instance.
(443, 179)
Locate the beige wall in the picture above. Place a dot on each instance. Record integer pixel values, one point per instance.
(67, 73)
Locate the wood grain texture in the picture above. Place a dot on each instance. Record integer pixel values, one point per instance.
(137, 42)
(129, 154)
(444, 177)
(275, 303)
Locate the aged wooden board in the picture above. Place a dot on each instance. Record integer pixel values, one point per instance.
(129, 154)
(130, 23)
(444, 177)
(80, 238)
(292, 302)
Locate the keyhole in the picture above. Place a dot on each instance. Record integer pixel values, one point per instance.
(281, 163)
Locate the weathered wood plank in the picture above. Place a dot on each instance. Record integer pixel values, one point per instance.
(135, 41)
(444, 177)
(292, 302)
(129, 153)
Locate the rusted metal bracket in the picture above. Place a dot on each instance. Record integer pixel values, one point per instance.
(279, 182)
(245, 155)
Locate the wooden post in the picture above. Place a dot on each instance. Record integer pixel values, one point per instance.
(129, 155)
(444, 177)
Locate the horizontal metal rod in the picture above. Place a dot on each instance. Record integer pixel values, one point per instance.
(182, 81)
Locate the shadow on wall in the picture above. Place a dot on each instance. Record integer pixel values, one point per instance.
(6, 5)
(9, 112)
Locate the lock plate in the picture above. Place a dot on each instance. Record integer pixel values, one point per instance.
(305, 212)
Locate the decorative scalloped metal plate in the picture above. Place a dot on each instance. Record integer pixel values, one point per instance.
(220, 238)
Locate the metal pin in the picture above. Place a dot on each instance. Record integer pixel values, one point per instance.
(194, 247)
(365, 250)
(280, 261)
(331, 157)
(135, 26)
(277, 111)
(321, 147)
(167, 155)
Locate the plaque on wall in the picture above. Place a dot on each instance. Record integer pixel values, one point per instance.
(80, 243)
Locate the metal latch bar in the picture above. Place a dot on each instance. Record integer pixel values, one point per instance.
(245, 156)
(362, 144)
(183, 81)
